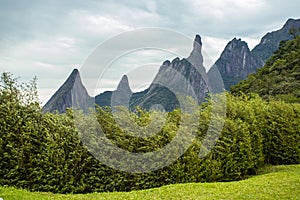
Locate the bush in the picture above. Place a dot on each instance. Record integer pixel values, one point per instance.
(44, 152)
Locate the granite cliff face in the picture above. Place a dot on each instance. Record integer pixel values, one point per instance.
(71, 94)
(236, 62)
(270, 42)
(181, 77)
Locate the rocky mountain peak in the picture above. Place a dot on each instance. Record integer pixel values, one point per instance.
(290, 23)
(270, 42)
(166, 63)
(197, 41)
(75, 72)
(124, 84)
(196, 57)
(72, 93)
(236, 62)
(237, 45)
(121, 96)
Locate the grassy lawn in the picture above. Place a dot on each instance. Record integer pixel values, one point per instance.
(276, 182)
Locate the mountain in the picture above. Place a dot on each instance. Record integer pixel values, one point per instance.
(120, 97)
(179, 78)
(236, 62)
(279, 78)
(71, 94)
(105, 98)
(270, 42)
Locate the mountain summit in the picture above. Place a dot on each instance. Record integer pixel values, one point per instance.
(196, 57)
(119, 97)
(71, 94)
(181, 77)
(270, 42)
(236, 62)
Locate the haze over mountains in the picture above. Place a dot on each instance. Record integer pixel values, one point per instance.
(185, 76)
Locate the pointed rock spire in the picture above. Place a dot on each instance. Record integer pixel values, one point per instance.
(124, 85)
(121, 96)
(71, 94)
(196, 57)
(197, 41)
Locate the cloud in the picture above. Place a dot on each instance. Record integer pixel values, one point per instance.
(50, 38)
(223, 9)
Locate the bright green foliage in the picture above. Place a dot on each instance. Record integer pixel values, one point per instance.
(273, 182)
(21, 141)
(45, 152)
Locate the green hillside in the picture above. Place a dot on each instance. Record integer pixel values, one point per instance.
(279, 79)
(277, 182)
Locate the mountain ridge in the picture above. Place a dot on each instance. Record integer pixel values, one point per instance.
(235, 63)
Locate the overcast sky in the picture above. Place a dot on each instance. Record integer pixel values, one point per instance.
(48, 39)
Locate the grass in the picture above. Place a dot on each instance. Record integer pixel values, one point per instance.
(274, 182)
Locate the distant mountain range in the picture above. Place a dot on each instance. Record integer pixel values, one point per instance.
(178, 77)
(237, 61)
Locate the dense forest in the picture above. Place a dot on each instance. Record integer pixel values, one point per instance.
(44, 152)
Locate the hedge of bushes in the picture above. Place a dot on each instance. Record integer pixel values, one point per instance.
(43, 152)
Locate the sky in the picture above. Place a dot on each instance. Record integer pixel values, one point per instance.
(48, 39)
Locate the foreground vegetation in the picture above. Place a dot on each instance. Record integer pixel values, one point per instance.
(44, 152)
(276, 182)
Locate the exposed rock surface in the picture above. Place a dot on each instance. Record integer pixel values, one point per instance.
(270, 42)
(185, 77)
(181, 77)
(71, 94)
(236, 62)
(120, 97)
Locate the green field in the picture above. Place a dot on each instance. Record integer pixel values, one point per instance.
(276, 182)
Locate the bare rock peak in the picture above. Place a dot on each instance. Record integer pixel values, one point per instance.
(71, 93)
(177, 59)
(292, 22)
(124, 84)
(75, 70)
(74, 73)
(197, 40)
(196, 57)
(237, 44)
(124, 78)
(166, 63)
